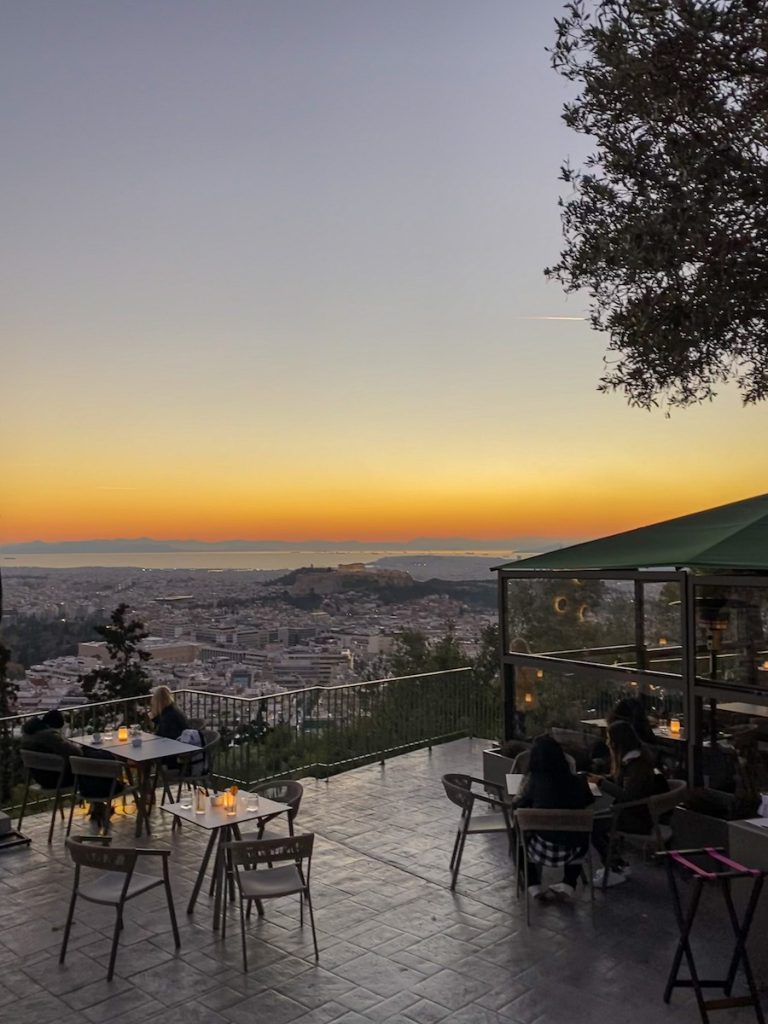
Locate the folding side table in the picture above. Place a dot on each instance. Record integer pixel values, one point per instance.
(718, 870)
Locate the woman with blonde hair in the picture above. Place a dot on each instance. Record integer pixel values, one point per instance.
(168, 721)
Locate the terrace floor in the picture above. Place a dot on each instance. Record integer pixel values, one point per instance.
(396, 946)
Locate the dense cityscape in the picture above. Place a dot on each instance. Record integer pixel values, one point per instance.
(238, 633)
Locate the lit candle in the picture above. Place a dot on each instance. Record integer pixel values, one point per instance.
(122, 733)
(674, 726)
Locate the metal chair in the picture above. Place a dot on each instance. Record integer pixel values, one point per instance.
(98, 768)
(182, 774)
(257, 879)
(54, 764)
(117, 883)
(285, 791)
(458, 789)
(529, 820)
(659, 834)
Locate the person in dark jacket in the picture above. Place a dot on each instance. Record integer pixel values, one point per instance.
(550, 784)
(633, 777)
(44, 736)
(168, 721)
(628, 709)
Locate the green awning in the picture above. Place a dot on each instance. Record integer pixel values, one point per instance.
(731, 536)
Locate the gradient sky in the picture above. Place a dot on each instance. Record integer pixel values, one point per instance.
(273, 269)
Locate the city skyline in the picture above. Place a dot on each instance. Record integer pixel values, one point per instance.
(277, 271)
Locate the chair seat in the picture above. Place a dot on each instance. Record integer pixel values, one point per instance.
(107, 888)
(274, 882)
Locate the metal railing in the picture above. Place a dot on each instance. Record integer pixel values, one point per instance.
(316, 731)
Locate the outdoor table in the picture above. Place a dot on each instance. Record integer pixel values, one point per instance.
(151, 750)
(739, 708)
(223, 827)
(661, 732)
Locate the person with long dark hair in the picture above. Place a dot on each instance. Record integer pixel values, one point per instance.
(550, 784)
(633, 777)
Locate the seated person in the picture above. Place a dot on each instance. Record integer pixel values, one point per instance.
(550, 784)
(168, 721)
(627, 709)
(44, 736)
(633, 777)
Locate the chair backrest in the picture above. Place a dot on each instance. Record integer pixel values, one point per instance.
(249, 853)
(534, 819)
(662, 803)
(283, 791)
(212, 740)
(458, 789)
(96, 767)
(523, 760)
(101, 857)
(35, 759)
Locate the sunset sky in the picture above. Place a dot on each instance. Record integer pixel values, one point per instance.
(273, 269)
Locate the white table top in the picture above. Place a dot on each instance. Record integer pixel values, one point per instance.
(151, 747)
(217, 817)
(740, 708)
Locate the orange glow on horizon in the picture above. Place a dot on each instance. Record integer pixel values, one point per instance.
(341, 514)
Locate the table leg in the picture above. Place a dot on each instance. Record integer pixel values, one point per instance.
(203, 868)
(219, 875)
(143, 804)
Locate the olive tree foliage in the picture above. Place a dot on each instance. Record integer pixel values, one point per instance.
(125, 674)
(666, 224)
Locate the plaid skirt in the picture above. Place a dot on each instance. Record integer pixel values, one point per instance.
(543, 851)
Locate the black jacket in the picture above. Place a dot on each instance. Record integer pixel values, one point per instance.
(563, 793)
(635, 781)
(170, 723)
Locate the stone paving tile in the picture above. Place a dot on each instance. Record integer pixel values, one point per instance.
(396, 946)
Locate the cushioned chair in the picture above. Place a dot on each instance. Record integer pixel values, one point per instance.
(529, 820)
(458, 789)
(55, 765)
(116, 883)
(253, 862)
(660, 806)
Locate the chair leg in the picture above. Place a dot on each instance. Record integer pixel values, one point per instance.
(24, 803)
(72, 807)
(56, 804)
(171, 910)
(312, 923)
(242, 937)
(459, 855)
(68, 926)
(456, 842)
(115, 940)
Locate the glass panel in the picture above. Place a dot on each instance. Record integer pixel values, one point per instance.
(570, 697)
(731, 634)
(574, 618)
(663, 627)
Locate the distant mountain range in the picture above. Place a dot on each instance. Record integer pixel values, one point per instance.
(147, 544)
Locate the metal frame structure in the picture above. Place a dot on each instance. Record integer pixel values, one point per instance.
(696, 687)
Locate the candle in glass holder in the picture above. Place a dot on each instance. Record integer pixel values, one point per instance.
(122, 733)
(230, 801)
(674, 726)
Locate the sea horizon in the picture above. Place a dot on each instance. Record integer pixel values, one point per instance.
(245, 561)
